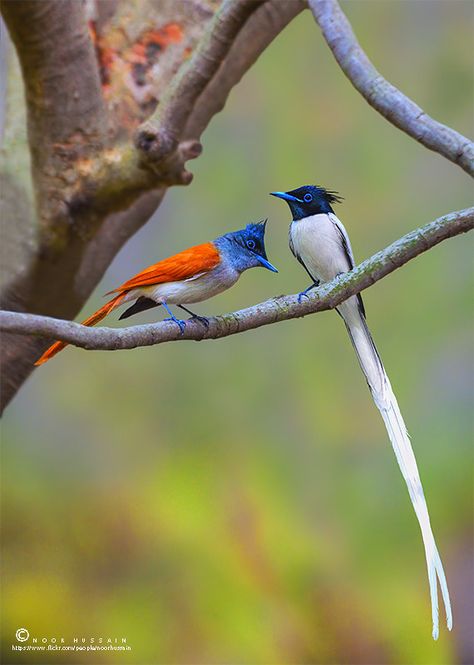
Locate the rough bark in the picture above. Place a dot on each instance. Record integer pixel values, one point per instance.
(66, 115)
(94, 187)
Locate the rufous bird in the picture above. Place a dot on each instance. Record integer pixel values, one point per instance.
(320, 242)
(194, 275)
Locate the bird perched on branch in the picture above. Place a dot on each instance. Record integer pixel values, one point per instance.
(320, 242)
(191, 276)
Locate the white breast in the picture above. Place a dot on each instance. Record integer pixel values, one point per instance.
(317, 242)
(196, 289)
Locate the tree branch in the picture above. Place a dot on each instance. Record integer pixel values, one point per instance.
(271, 311)
(159, 135)
(120, 173)
(117, 177)
(66, 114)
(382, 95)
(107, 180)
(255, 36)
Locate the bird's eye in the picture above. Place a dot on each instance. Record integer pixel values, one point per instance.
(307, 198)
(251, 244)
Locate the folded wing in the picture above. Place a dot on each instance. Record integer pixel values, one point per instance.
(184, 265)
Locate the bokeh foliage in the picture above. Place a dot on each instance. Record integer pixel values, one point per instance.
(238, 501)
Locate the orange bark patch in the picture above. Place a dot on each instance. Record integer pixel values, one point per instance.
(114, 52)
(130, 71)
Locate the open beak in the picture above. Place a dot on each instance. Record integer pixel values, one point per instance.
(265, 263)
(285, 196)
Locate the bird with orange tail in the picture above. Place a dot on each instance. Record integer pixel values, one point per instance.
(191, 276)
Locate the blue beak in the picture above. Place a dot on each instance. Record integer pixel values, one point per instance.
(265, 263)
(285, 196)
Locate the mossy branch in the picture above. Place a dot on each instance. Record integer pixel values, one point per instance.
(271, 311)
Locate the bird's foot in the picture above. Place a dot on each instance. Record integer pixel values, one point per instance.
(201, 319)
(179, 322)
(304, 294)
(195, 317)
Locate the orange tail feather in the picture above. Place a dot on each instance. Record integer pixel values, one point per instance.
(91, 321)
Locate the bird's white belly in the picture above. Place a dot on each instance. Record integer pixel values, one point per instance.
(192, 290)
(316, 241)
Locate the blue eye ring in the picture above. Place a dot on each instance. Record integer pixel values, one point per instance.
(307, 198)
(251, 244)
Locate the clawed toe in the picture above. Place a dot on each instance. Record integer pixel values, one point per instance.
(304, 293)
(201, 319)
(195, 317)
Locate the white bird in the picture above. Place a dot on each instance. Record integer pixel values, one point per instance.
(320, 242)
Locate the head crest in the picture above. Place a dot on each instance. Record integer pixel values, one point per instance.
(309, 200)
(246, 248)
(318, 192)
(330, 195)
(257, 227)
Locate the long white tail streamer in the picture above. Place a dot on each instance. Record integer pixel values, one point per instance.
(387, 404)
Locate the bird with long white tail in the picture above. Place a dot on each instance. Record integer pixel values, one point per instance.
(320, 242)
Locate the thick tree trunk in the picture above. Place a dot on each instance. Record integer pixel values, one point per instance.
(97, 174)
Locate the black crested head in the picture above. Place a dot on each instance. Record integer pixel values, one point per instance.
(309, 200)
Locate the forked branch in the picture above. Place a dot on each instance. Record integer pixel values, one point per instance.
(158, 137)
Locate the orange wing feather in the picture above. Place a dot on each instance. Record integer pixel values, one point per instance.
(184, 265)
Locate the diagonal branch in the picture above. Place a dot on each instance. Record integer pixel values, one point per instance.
(382, 95)
(255, 36)
(232, 42)
(158, 158)
(159, 135)
(271, 311)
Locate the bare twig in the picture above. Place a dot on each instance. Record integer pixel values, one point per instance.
(382, 95)
(271, 311)
(158, 136)
(255, 36)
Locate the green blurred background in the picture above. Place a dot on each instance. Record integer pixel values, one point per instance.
(238, 501)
